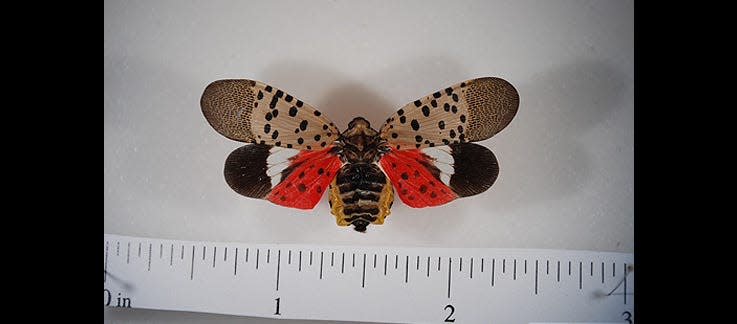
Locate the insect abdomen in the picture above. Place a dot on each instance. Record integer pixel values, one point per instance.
(360, 194)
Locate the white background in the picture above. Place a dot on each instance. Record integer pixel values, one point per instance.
(566, 161)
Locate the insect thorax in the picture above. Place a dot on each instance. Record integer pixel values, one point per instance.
(361, 194)
(360, 143)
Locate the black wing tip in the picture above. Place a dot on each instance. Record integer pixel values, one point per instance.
(215, 90)
(495, 106)
(245, 170)
(475, 169)
(503, 87)
(217, 105)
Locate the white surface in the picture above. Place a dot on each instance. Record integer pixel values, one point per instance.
(408, 285)
(566, 161)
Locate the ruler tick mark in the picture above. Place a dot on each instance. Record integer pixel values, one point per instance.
(428, 267)
(592, 268)
(460, 267)
(191, 269)
(139, 249)
(171, 255)
(363, 274)
(310, 257)
(182, 252)
(525, 266)
(482, 264)
(406, 269)
(149, 257)
(614, 269)
(450, 263)
(268, 256)
(258, 255)
(438, 263)
(106, 249)
(385, 256)
(374, 260)
(204, 248)
(569, 268)
(504, 265)
(128, 255)
(161, 251)
(396, 261)
(278, 267)
(514, 268)
(332, 255)
(225, 255)
(235, 263)
(117, 248)
(580, 274)
(214, 254)
(602, 272)
(247, 252)
(625, 284)
(493, 261)
(342, 262)
(558, 271)
(289, 259)
(471, 268)
(354, 261)
(547, 266)
(300, 260)
(535, 277)
(418, 262)
(321, 265)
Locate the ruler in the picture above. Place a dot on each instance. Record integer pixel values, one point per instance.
(371, 284)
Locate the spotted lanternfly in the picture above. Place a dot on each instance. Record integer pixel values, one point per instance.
(423, 150)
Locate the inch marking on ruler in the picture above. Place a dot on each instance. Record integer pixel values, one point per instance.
(450, 263)
(256, 290)
(278, 267)
(106, 247)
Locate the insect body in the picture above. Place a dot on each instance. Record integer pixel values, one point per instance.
(422, 151)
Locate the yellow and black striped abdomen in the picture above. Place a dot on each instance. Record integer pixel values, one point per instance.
(361, 194)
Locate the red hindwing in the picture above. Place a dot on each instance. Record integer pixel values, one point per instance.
(415, 183)
(308, 176)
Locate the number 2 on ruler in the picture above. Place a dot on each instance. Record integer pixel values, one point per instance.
(452, 310)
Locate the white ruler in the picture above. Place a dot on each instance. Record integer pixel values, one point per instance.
(373, 284)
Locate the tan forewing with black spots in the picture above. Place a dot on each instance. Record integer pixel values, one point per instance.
(255, 112)
(468, 111)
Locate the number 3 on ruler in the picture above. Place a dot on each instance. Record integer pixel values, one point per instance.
(452, 310)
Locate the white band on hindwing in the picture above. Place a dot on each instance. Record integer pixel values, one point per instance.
(277, 161)
(442, 158)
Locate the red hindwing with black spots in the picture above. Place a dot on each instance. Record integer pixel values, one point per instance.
(411, 172)
(423, 151)
(306, 179)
